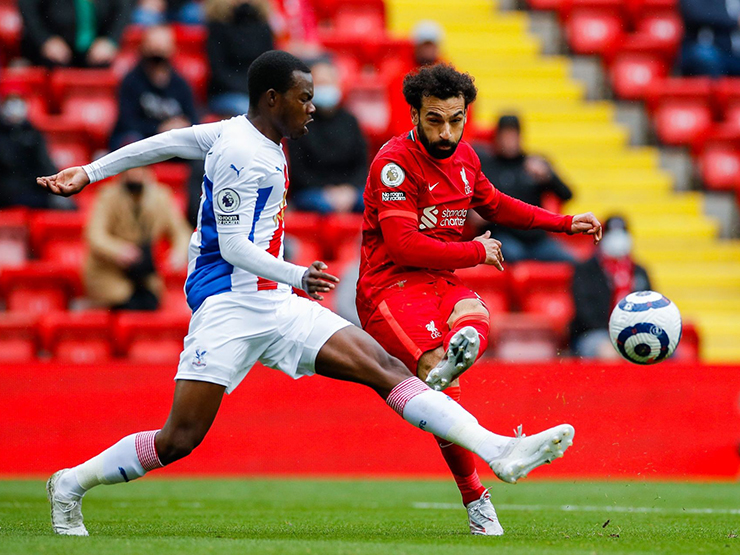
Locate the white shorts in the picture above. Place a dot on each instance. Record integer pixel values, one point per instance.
(230, 332)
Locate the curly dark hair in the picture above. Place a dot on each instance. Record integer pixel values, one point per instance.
(440, 80)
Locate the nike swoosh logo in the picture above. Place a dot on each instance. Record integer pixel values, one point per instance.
(431, 187)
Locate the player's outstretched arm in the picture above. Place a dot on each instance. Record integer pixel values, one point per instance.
(587, 224)
(66, 183)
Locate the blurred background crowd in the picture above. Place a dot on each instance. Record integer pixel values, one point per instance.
(627, 108)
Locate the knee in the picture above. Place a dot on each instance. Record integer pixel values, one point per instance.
(177, 444)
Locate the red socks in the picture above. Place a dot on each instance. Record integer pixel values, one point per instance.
(461, 462)
(479, 322)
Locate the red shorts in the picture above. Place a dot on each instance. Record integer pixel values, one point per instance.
(414, 320)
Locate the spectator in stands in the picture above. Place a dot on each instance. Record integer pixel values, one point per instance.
(528, 178)
(73, 32)
(238, 32)
(23, 154)
(711, 42)
(328, 166)
(598, 284)
(153, 97)
(160, 12)
(128, 218)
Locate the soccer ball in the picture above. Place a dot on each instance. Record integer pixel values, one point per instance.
(645, 327)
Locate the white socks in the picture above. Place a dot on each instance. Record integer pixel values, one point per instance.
(435, 412)
(127, 460)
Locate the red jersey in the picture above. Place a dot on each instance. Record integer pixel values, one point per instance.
(415, 211)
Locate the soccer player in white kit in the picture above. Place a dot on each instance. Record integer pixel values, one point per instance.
(244, 311)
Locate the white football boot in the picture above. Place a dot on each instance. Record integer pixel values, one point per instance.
(460, 356)
(482, 517)
(525, 453)
(66, 514)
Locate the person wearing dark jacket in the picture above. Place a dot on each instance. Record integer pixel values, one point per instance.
(711, 41)
(23, 154)
(153, 97)
(527, 178)
(81, 33)
(328, 166)
(237, 34)
(598, 284)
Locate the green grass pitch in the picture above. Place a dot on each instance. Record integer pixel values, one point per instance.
(281, 516)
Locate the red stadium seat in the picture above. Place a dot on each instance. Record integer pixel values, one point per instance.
(71, 82)
(727, 99)
(68, 142)
(173, 174)
(194, 69)
(153, 337)
(18, 337)
(718, 158)
(681, 109)
(31, 83)
(39, 287)
(664, 27)
(593, 30)
(368, 101)
(190, 39)
(544, 289)
(98, 115)
(635, 65)
(78, 337)
(546, 5)
(690, 346)
(173, 300)
(522, 337)
(13, 237)
(58, 237)
(358, 21)
(493, 286)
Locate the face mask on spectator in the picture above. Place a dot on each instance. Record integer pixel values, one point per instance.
(616, 243)
(156, 60)
(245, 12)
(134, 187)
(14, 111)
(326, 97)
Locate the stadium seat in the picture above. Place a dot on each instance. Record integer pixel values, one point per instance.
(68, 142)
(190, 39)
(97, 114)
(78, 337)
(13, 237)
(665, 27)
(544, 289)
(635, 65)
(32, 84)
(681, 109)
(522, 338)
(359, 20)
(593, 26)
(546, 5)
(717, 154)
(726, 95)
(194, 69)
(58, 237)
(368, 100)
(493, 286)
(690, 346)
(152, 337)
(173, 174)
(69, 82)
(18, 337)
(39, 287)
(173, 299)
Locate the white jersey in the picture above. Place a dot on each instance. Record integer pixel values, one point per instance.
(244, 190)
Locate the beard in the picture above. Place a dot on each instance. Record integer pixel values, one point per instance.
(434, 149)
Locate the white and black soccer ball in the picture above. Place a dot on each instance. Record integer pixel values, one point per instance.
(645, 327)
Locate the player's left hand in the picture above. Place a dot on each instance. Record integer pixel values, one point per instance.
(587, 224)
(66, 183)
(316, 281)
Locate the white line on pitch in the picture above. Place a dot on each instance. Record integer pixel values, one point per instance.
(587, 508)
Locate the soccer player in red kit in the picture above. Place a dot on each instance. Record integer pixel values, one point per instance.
(418, 193)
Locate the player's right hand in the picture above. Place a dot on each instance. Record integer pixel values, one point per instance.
(316, 281)
(66, 183)
(494, 256)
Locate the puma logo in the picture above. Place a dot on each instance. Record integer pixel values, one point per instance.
(233, 167)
